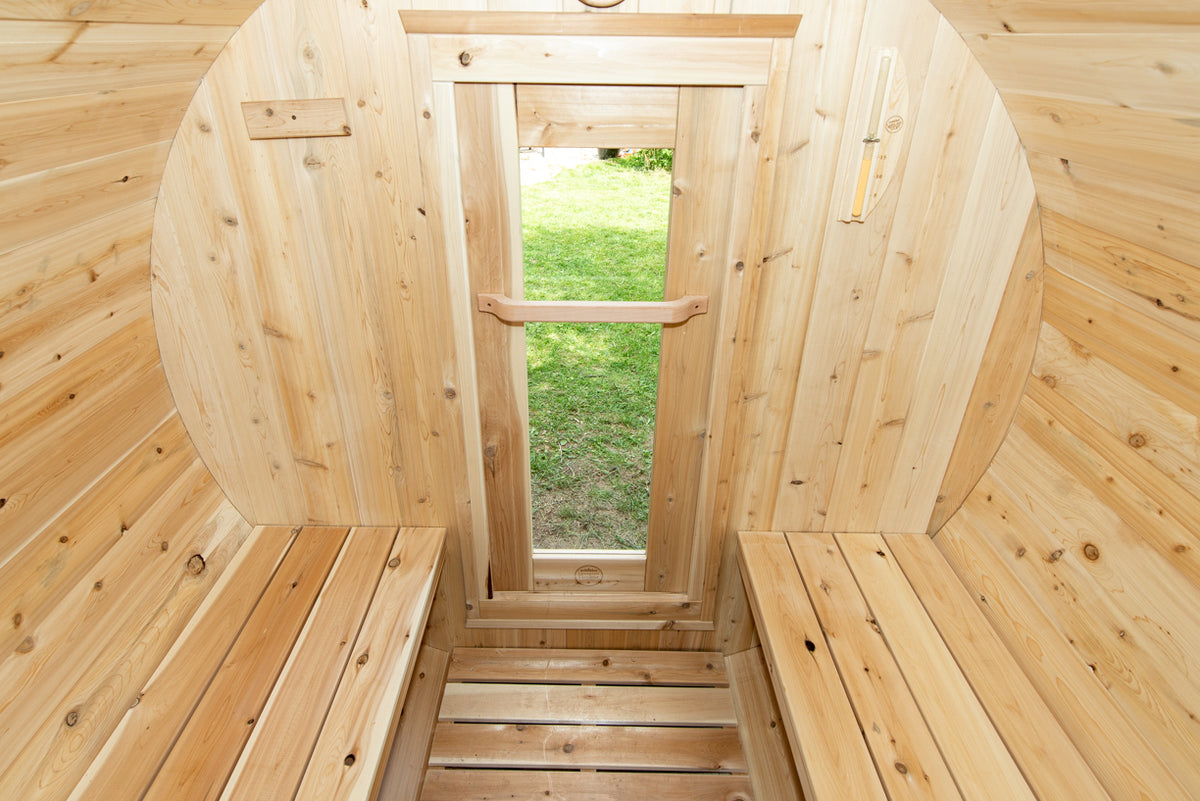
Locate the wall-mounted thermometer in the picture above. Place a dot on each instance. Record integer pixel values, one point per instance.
(877, 129)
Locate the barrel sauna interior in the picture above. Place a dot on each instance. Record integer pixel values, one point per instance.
(925, 502)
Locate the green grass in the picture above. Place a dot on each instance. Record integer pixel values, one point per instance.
(597, 232)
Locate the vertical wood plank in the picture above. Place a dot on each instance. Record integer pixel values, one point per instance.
(488, 159)
(405, 772)
(761, 729)
(703, 189)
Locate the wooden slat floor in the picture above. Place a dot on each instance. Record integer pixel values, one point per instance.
(586, 726)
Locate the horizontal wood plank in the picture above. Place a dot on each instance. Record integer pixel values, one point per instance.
(566, 703)
(559, 570)
(642, 61)
(296, 119)
(486, 745)
(596, 116)
(683, 668)
(493, 785)
(502, 23)
(668, 312)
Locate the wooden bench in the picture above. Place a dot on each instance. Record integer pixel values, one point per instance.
(891, 683)
(292, 691)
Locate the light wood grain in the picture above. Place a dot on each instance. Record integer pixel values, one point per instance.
(970, 744)
(824, 734)
(273, 761)
(77, 192)
(703, 186)
(1127, 69)
(698, 61)
(1004, 369)
(405, 771)
(487, 161)
(587, 666)
(207, 748)
(118, 399)
(596, 116)
(139, 587)
(180, 12)
(483, 745)
(1047, 757)
(347, 760)
(43, 59)
(761, 728)
(563, 704)
(902, 744)
(588, 570)
(148, 730)
(492, 785)
(37, 578)
(1122, 759)
(499, 23)
(87, 126)
(296, 119)
(667, 312)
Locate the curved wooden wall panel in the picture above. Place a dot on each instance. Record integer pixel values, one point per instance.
(103, 500)
(307, 323)
(1081, 541)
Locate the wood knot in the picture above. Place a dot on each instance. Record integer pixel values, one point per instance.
(72, 718)
(18, 619)
(349, 760)
(362, 660)
(26, 646)
(394, 562)
(464, 58)
(810, 645)
(1050, 381)
(1137, 440)
(1091, 552)
(568, 748)
(450, 393)
(1056, 555)
(196, 564)
(901, 768)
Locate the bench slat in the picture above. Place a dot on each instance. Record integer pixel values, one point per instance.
(827, 744)
(571, 703)
(208, 748)
(134, 752)
(567, 666)
(978, 758)
(509, 745)
(1049, 760)
(347, 762)
(274, 759)
(905, 751)
(488, 785)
